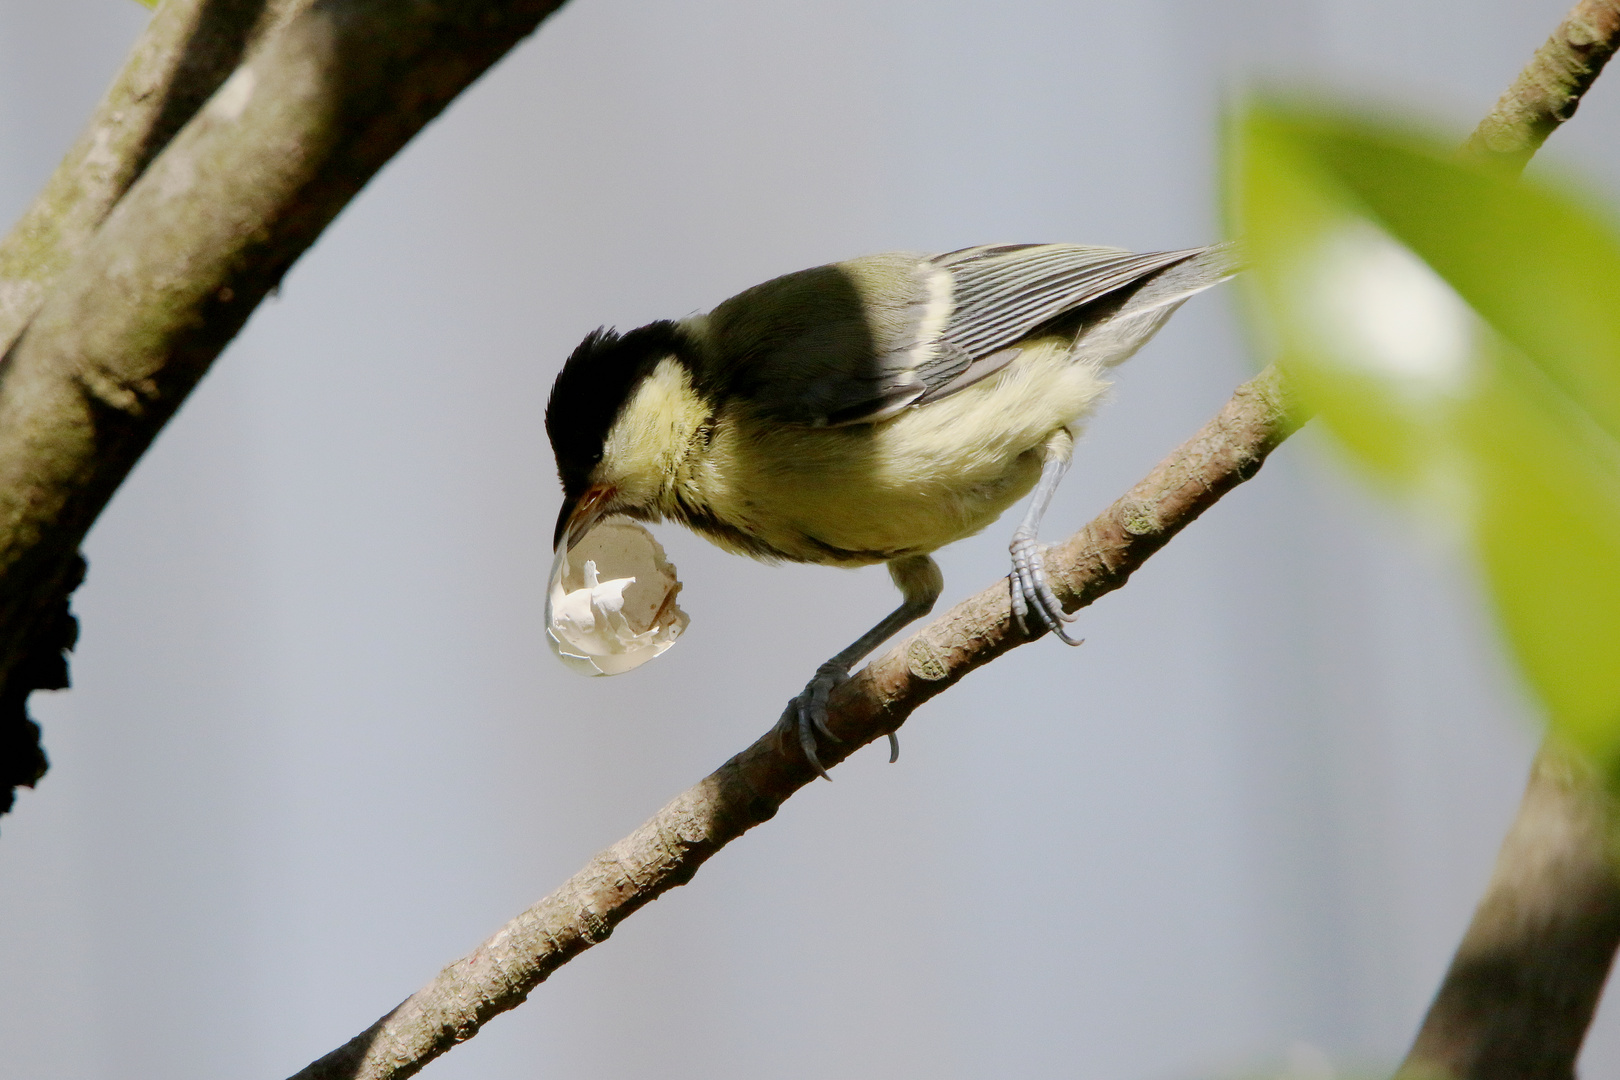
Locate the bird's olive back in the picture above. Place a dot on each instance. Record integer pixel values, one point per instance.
(819, 345)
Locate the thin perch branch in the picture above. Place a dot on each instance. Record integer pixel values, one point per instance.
(668, 849)
(215, 221)
(1549, 89)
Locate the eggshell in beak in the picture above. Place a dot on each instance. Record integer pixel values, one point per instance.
(610, 606)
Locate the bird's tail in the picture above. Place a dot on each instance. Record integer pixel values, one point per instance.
(1149, 305)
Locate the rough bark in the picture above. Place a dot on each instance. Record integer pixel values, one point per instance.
(141, 298)
(44, 666)
(1523, 986)
(186, 51)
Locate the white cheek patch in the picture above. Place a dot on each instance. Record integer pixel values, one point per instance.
(610, 605)
(638, 446)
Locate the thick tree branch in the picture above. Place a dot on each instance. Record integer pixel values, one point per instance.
(186, 51)
(668, 849)
(196, 242)
(1523, 986)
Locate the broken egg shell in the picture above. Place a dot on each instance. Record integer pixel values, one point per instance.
(610, 604)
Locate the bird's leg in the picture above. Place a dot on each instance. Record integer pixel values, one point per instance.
(920, 583)
(1030, 591)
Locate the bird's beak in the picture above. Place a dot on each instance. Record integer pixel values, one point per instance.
(578, 515)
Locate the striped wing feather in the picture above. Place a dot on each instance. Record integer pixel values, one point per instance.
(867, 356)
(1004, 293)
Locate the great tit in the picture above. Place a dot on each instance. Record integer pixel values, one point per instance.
(866, 411)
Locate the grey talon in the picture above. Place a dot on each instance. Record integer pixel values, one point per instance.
(920, 584)
(1028, 578)
(807, 743)
(872, 410)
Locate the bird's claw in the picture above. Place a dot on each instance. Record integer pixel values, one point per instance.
(809, 712)
(1030, 592)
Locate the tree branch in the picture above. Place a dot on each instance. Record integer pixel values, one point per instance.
(148, 284)
(186, 51)
(203, 232)
(1550, 87)
(1526, 980)
(668, 849)
(1554, 988)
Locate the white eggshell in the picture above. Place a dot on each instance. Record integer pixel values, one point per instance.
(611, 603)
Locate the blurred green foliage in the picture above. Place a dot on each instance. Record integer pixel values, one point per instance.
(1458, 332)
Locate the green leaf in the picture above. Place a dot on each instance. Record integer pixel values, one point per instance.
(1459, 332)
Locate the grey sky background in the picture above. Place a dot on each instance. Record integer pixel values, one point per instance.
(317, 747)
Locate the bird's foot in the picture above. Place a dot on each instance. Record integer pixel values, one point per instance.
(1030, 592)
(809, 711)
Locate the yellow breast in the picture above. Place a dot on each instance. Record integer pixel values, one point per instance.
(910, 484)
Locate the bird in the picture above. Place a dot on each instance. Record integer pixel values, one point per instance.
(866, 411)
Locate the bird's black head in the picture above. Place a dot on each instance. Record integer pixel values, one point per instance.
(591, 390)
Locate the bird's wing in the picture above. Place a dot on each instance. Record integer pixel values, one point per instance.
(858, 341)
(1002, 293)
(848, 343)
